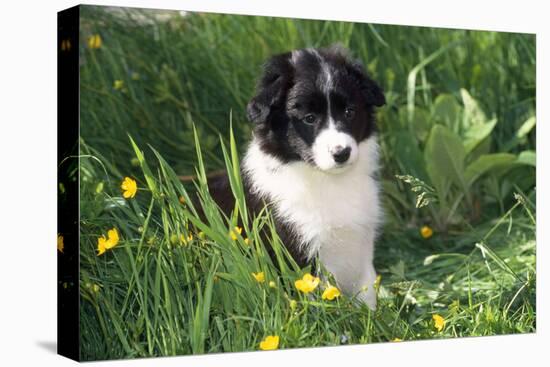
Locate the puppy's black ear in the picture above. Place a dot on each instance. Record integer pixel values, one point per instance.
(371, 91)
(272, 88)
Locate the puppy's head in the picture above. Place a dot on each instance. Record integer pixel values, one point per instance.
(316, 106)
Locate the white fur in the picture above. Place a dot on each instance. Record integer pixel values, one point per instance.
(335, 215)
(327, 142)
(295, 55)
(327, 86)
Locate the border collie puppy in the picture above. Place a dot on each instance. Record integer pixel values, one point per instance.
(313, 159)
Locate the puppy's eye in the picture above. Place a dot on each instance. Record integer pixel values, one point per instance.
(349, 113)
(309, 119)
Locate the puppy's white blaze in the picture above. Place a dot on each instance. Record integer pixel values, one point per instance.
(326, 143)
(295, 55)
(335, 216)
(327, 85)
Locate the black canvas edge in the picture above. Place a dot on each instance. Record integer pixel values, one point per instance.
(68, 150)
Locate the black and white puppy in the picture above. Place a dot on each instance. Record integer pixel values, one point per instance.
(313, 158)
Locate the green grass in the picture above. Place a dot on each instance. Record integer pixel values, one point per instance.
(156, 295)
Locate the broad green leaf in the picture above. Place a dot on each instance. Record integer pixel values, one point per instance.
(398, 269)
(484, 147)
(446, 110)
(444, 156)
(528, 157)
(520, 135)
(473, 114)
(475, 127)
(526, 127)
(485, 163)
(419, 125)
(476, 134)
(409, 156)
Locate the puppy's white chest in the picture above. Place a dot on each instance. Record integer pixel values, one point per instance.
(328, 212)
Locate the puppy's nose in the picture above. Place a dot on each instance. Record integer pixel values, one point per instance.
(340, 153)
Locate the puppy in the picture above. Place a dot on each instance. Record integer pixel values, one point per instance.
(313, 159)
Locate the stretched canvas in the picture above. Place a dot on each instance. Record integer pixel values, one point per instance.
(160, 108)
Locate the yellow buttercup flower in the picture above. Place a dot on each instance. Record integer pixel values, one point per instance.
(397, 340)
(330, 293)
(235, 232)
(307, 284)
(186, 240)
(101, 245)
(118, 84)
(112, 240)
(426, 232)
(94, 41)
(439, 322)
(129, 188)
(104, 244)
(271, 342)
(260, 277)
(60, 243)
